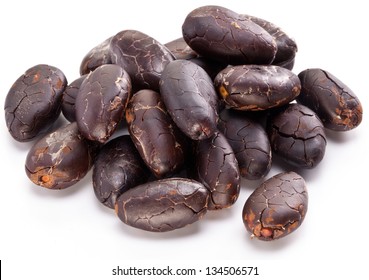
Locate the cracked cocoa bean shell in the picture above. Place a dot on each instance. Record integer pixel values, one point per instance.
(60, 159)
(286, 46)
(101, 101)
(334, 102)
(155, 135)
(163, 205)
(215, 166)
(33, 103)
(297, 135)
(97, 56)
(249, 142)
(218, 33)
(180, 49)
(257, 87)
(190, 98)
(69, 98)
(143, 57)
(118, 167)
(277, 207)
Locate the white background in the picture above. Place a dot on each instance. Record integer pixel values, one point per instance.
(51, 234)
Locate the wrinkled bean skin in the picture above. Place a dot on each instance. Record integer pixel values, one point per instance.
(249, 143)
(154, 133)
(190, 98)
(143, 57)
(163, 205)
(256, 87)
(118, 167)
(286, 46)
(69, 99)
(99, 55)
(106, 90)
(277, 207)
(180, 49)
(218, 33)
(33, 103)
(334, 102)
(216, 167)
(60, 159)
(297, 135)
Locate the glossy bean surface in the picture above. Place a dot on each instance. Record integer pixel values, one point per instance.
(257, 87)
(154, 133)
(101, 101)
(249, 142)
(277, 207)
(297, 135)
(143, 57)
(59, 159)
(118, 167)
(216, 167)
(335, 103)
(69, 99)
(33, 103)
(97, 56)
(190, 98)
(163, 205)
(286, 46)
(180, 49)
(218, 33)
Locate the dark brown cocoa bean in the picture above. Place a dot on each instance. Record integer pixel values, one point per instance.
(33, 103)
(277, 207)
(334, 102)
(154, 133)
(257, 87)
(218, 33)
(163, 205)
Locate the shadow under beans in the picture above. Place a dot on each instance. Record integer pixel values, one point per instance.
(273, 245)
(340, 136)
(102, 208)
(220, 214)
(251, 184)
(309, 174)
(23, 147)
(174, 234)
(191, 229)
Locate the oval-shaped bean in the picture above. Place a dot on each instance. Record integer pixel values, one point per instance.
(216, 167)
(154, 133)
(286, 46)
(190, 98)
(297, 135)
(163, 205)
(277, 207)
(218, 33)
(118, 167)
(334, 102)
(33, 103)
(256, 87)
(249, 143)
(143, 57)
(60, 159)
(101, 101)
(99, 55)
(180, 49)
(69, 98)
